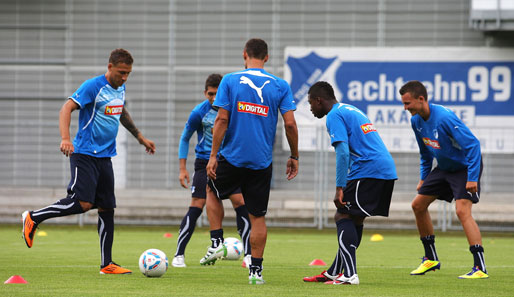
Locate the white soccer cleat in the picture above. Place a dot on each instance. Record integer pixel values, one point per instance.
(178, 261)
(247, 260)
(255, 277)
(343, 280)
(213, 254)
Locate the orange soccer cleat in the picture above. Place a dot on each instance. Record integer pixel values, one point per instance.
(114, 268)
(29, 228)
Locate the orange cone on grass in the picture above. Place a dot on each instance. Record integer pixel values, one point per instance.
(15, 279)
(318, 262)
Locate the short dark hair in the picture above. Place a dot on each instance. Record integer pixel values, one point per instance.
(256, 48)
(213, 80)
(415, 88)
(120, 55)
(322, 89)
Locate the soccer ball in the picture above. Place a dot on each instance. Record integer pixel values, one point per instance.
(153, 263)
(234, 248)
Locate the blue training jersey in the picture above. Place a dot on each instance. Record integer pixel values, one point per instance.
(253, 97)
(100, 110)
(369, 157)
(445, 137)
(201, 121)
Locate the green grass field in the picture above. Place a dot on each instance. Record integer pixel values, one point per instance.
(65, 263)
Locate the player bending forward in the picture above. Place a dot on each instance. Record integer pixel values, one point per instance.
(442, 135)
(362, 191)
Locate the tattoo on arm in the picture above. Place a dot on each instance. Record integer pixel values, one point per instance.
(127, 122)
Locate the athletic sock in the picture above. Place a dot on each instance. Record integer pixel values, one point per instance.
(106, 234)
(216, 238)
(187, 227)
(64, 207)
(256, 266)
(478, 256)
(347, 239)
(429, 245)
(244, 227)
(337, 265)
(359, 229)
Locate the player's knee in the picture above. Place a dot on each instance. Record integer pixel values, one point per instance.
(85, 205)
(418, 206)
(463, 213)
(238, 204)
(198, 202)
(463, 209)
(237, 200)
(338, 216)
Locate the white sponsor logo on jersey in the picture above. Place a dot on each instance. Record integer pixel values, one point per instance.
(249, 82)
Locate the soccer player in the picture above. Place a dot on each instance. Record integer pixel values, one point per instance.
(249, 101)
(201, 121)
(101, 101)
(442, 135)
(365, 175)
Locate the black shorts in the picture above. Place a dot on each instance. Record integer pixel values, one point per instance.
(92, 180)
(367, 197)
(449, 185)
(198, 188)
(199, 179)
(253, 184)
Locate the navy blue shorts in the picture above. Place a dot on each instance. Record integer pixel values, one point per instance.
(367, 197)
(198, 188)
(253, 184)
(92, 180)
(449, 185)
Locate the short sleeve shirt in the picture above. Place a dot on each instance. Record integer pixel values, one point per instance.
(100, 110)
(253, 97)
(369, 157)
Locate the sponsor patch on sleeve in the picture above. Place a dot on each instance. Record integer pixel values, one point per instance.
(366, 128)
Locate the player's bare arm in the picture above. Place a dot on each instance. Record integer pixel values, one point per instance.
(184, 174)
(66, 145)
(128, 123)
(218, 132)
(292, 139)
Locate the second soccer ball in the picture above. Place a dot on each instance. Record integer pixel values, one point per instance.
(234, 248)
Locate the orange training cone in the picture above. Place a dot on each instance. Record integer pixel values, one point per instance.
(167, 235)
(15, 279)
(317, 262)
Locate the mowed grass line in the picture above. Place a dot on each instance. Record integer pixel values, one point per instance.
(66, 263)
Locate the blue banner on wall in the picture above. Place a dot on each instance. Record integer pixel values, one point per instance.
(477, 83)
(486, 85)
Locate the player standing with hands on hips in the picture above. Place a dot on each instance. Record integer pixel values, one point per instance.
(101, 101)
(365, 175)
(244, 133)
(442, 135)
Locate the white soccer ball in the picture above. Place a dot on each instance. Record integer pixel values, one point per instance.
(153, 263)
(234, 248)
